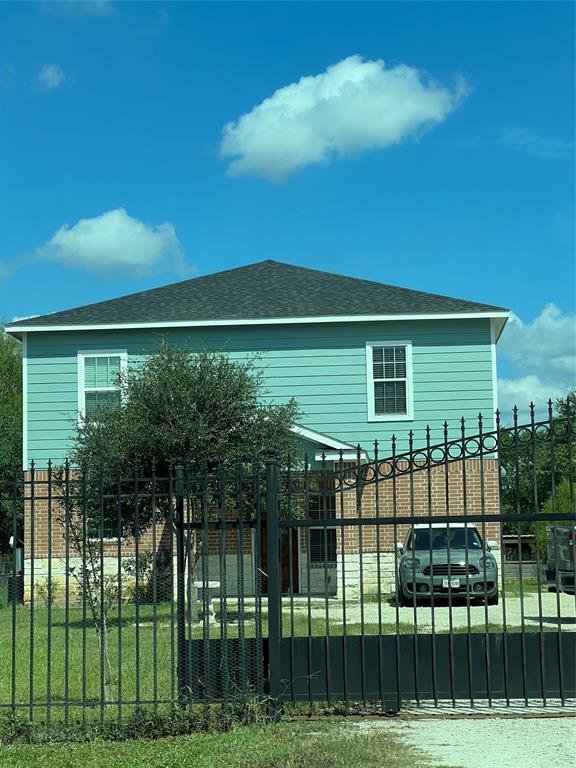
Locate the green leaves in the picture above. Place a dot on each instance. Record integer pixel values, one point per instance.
(202, 407)
(535, 468)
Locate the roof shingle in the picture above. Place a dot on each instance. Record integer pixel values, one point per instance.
(264, 290)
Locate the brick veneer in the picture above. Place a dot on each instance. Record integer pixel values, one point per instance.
(43, 503)
(455, 489)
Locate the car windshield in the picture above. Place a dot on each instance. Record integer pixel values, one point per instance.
(453, 538)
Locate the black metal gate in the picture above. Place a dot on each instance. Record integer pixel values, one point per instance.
(377, 584)
(346, 631)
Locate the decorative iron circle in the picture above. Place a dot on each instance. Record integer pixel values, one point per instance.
(368, 473)
(455, 450)
(506, 439)
(542, 433)
(438, 455)
(385, 469)
(489, 443)
(472, 446)
(525, 435)
(560, 429)
(419, 458)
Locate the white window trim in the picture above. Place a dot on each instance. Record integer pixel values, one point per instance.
(372, 415)
(81, 356)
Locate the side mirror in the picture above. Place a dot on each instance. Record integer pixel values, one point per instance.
(399, 547)
(492, 544)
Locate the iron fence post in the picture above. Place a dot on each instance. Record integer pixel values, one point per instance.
(274, 585)
(180, 584)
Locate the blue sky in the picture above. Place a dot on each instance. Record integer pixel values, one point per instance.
(448, 168)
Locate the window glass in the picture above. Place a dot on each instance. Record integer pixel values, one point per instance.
(389, 397)
(101, 382)
(322, 545)
(454, 538)
(322, 506)
(389, 374)
(93, 400)
(101, 371)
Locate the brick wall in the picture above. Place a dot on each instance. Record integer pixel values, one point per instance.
(43, 513)
(454, 489)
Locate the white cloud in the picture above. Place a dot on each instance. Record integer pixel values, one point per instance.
(353, 106)
(17, 318)
(51, 76)
(542, 354)
(114, 242)
(531, 143)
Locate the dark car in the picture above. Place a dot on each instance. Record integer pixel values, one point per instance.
(560, 551)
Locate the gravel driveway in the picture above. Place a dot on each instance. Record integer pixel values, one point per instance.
(542, 742)
(551, 606)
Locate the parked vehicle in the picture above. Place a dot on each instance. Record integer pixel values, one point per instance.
(561, 564)
(445, 561)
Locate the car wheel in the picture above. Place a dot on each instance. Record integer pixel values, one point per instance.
(493, 600)
(402, 600)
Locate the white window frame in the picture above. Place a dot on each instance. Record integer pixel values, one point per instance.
(82, 355)
(372, 415)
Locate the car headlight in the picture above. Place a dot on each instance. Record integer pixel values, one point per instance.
(412, 563)
(489, 562)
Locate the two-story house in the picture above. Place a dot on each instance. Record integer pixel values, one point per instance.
(364, 361)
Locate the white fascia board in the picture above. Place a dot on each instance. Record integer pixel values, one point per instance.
(336, 456)
(501, 316)
(322, 439)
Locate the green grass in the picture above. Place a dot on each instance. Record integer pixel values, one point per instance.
(148, 653)
(286, 745)
(529, 586)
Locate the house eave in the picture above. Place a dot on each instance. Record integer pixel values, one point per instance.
(500, 319)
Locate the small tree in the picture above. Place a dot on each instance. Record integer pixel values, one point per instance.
(201, 408)
(534, 465)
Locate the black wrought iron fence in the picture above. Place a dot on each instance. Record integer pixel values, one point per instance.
(352, 583)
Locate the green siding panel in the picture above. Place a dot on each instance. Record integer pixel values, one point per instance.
(323, 366)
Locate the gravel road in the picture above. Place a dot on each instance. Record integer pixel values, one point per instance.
(551, 607)
(541, 742)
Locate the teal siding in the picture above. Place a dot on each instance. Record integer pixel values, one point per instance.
(323, 366)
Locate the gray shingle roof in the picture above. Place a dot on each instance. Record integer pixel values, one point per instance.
(264, 290)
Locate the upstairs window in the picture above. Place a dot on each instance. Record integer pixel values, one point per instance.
(98, 374)
(389, 381)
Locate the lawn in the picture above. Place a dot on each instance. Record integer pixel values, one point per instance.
(142, 654)
(286, 745)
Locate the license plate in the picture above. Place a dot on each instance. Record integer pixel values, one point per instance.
(452, 583)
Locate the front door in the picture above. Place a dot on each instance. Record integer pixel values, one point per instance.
(288, 560)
